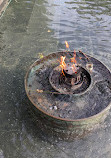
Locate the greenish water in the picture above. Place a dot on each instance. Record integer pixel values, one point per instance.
(27, 29)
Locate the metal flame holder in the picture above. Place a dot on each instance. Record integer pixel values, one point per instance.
(69, 115)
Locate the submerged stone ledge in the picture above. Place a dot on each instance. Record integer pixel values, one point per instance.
(3, 6)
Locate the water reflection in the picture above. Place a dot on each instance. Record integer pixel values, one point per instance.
(85, 24)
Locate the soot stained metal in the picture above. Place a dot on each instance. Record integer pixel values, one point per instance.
(72, 96)
(72, 77)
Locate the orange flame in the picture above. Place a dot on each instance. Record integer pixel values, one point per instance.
(73, 60)
(67, 45)
(62, 63)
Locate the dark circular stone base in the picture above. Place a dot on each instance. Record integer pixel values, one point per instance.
(68, 107)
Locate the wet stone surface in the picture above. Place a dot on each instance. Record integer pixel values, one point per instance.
(32, 29)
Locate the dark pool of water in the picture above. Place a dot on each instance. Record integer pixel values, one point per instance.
(28, 30)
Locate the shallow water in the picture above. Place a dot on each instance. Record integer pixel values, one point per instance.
(28, 30)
